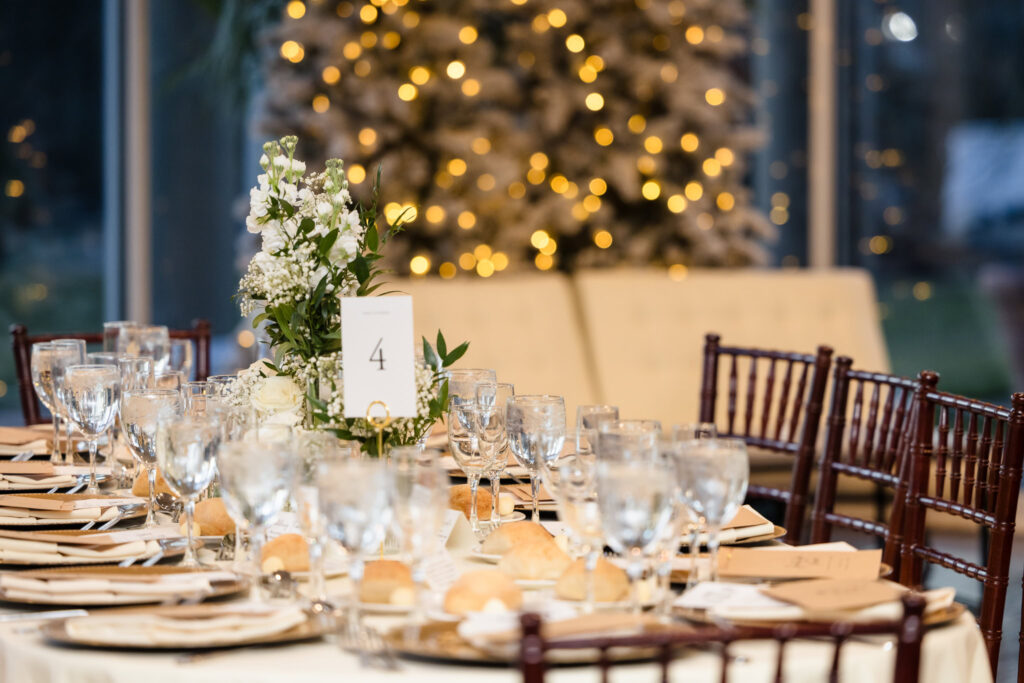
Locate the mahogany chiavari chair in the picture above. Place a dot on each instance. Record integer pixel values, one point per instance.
(908, 631)
(22, 343)
(781, 414)
(965, 462)
(871, 446)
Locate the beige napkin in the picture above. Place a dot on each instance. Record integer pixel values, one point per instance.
(14, 482)
(935, 600)
(236, 625)
(38, 447)
(21, 515)
(599, 623)
(110, 589)
(19, 436)
(41, 552)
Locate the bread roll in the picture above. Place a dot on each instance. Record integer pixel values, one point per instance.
(213, 517)
(387, 582)
(141, 486)
(483, 590)
(460, 498)
(289, 552)
(538, 559)
(505, 537)
(610, 582)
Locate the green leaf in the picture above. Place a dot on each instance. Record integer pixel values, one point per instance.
(442, 348)
(360, 269)
(429, 356)
(326, 243)
(457, 353)
(442, 397)
(306, 225)
(372, 242)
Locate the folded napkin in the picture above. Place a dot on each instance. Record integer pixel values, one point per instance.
(228, 625)
(37, 447)
(492, 629)
(22, 515)
(19, 436)
(97, 589)
(41, 552)
(18, 482)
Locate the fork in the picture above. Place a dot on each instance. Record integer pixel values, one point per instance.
(367, 642)
(22, 457)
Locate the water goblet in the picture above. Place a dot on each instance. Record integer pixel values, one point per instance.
(112, 332)
(186, 453)
(91, 395)
(588, 422)
(136, 372)
(696, 430)
(463, 440)
(146, 340)
(180, 357)
(462, 382)
(169, 380)
(626, 439)
(495, 395)
(68, 352)
(42, 381)
(101, 358)
(357, 500)
(536, 434)
(635, 497)
(141, 413)
(717, 473)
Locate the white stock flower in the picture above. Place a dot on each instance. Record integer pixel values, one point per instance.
(288, 418)
(324, 208)
(344, 248)
(252, 225)
(277, 394)
(273, 238)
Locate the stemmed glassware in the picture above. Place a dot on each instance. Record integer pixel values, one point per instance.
(682, 433)
(636, 499)
(70, 352)
(697, 430)
(180, 358)
(257, 478)
(716, 475)
(48, 359)
(136, 372)
(462, 382)
(421, 498)
(141, 413)
(536, 434)
(628, 438)
(493, 396)
(572, 480)
(464, 418)
(357, 499)
(91, 394)
(186, 453)
(146, 340)
(112, 333)
(588, 423)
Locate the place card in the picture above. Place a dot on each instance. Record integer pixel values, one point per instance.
(440, 571)
(379, 362)
(456, 533)
(827, 595)
(797, 563)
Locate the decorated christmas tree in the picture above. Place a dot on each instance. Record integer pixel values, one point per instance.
(529, 133)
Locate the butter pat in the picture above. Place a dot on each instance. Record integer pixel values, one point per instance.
(494, 606)
(506, 504)
(403, 596)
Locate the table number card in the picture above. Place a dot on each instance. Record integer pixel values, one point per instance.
(379, 361)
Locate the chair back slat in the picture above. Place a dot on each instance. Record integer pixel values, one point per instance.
(667, 643)
(762, 381)
(983, 446)
(22, 341)
(867, 442)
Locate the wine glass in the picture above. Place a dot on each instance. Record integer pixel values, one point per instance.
(572, 480)
(635, 497)
(628, 438)
(91, 394)
(257, 478)
(68, 352)
(101, 358)
(220, 384)
(462, 382)
(463, 440)
(494, 396)
(186, 453)
(421, 499)
(696, 430)
(588, 422)
(141, 413)
(170, 379)
(316, 450)
(146, 340)
(180, 357)
(357, 499)
(680, 434)
(536, 433)
(717, 473)
(136, 372)
(42, 381)
(112, 332)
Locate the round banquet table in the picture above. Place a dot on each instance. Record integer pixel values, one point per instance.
(953, 653)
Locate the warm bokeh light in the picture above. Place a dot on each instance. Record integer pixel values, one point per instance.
(482, 251)
(485, 267)
(435, 214)
(292, 51)
(456, 167)
(368, 14)
(517, 190)
(246, 339)
(922, 291)
(321, 104)
(538, 160)
(535, 176)
(636, 124)
(598, 186)
(695, 35)
(592, 203)
(711, 168)
(559, 183)
(352, 50)
(356, 174)
(677, 203)
(331, 75)
(879, 244)
(653, 144)
(500, 260)
(604, 136)
(296, 9)
(595, 62)
(539, 238)
(724, 156)
(485, 182)
(595, 101)
(419, 265)
(467, 219)
(693, 190)
(725, 201)
(391, 40)
(368, 39)
(557, 18)
(467, 34)
(587, 74)
(705, 221)
(575, 43)
(367, 136)
(407, 92)
(689, 142)
(646, 164)
(419, 75)
(471, 87)
(651, 190)
(14, 188)
(544, 261)
(714, 96)
(677, 272)
(602, 239)
(447, 270)
(669, 73)
(362, 69)
(467, 261)
(456, 69)
(481, 146)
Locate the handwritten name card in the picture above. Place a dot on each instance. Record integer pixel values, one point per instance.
(799, 564)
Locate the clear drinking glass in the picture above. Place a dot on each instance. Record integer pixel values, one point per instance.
(186, 453)
(697, 430)
(536, 434)
(357, 499)
(146, 340)
(112, 333)
(625, 439)
(169, 380)
(462, 382)
(67, 352)
(636, 497)
(572, 480)
(220, 384)
(682, 433)
(316, 450)
(717, 472)
(42, 382)
(136, 372)
(180, 359)
(463, 440)
(91, 394)
(101, 358)
(588, 422)
(141, 413)
(421, 499)
(494, 396)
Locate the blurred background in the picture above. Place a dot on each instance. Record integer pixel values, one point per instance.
(525, 136)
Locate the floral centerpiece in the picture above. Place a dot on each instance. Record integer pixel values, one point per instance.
(318, 245)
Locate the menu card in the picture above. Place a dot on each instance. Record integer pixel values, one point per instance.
(826, 595)
(799, 563)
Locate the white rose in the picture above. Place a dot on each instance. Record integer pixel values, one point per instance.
(289, 418)
(344, 249)
(324, 208)
(277, 394)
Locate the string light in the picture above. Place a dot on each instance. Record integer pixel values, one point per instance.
(694, 35)
(604, 136)
(14, 188)
(725, 201)
(292, 51)
(557, 18)
(435, 214)
(676, 203)
(321, 104)
(538, 160)
(368, 14)
(595, 101)
(457, 167)
(481, 146)
(592, 203)
(689, 142)
(419, 265)
(575, 43)
(470, 87)
(352, 50)
(410, 19)
(500, 260)
(467, 261)
(724, 156)
(367, 137)
(653, 144)
(598, 186)
(693, 190)
(362, 69)
(391, 40)
(468, 35)
(447, 270)
(539, 238)
(368, 39)
(456, 69)
(517, 190)
(636, 124)
(356, 174)
(587, 74)
(467, 219)
(296, 9)
(407, 92)
(677, 272)
(419, 75)
(331, 75)
(603, 239)
(485, 182)
(543, 261)
(485, 268)
(651, 190)
(714, 96)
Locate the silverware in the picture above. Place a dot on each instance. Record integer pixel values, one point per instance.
(22, 457)
(367, 642)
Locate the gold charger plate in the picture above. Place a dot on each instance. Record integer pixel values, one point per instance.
(931, 619)
(310, 629)
(440, 642)
(219, 589)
